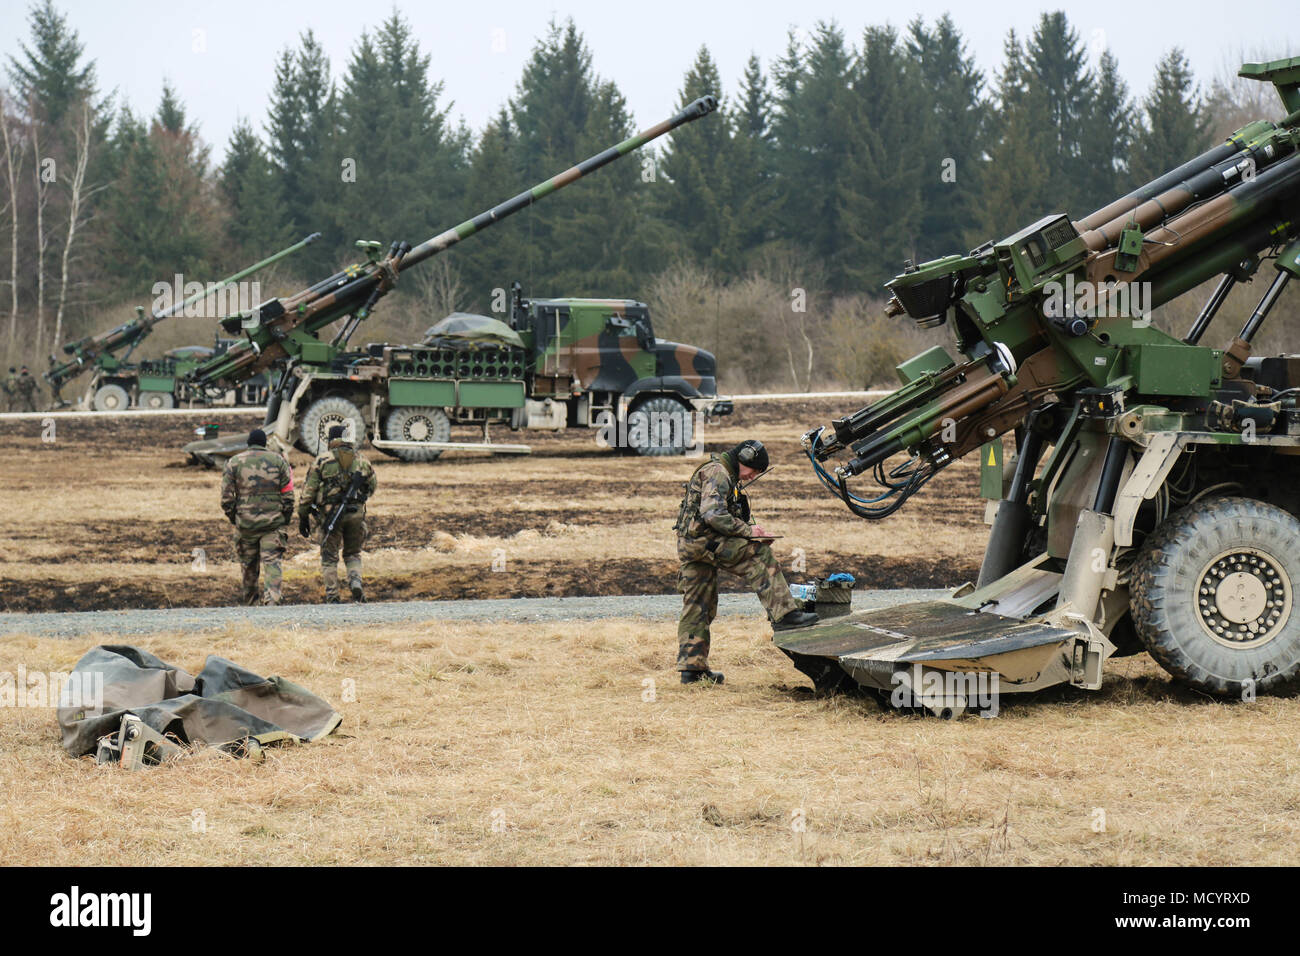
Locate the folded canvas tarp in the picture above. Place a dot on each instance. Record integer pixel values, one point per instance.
(223, 706)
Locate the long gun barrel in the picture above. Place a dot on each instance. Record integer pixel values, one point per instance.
(130, 334)
(353, 292)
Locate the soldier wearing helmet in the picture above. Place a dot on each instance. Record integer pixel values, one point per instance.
(714, 533)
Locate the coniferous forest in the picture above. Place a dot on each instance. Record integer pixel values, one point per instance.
(764, 233)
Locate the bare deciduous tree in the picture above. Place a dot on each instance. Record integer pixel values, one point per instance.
(13, 153)
(42, 240)
(77, 195)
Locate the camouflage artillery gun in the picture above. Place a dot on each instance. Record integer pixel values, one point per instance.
(1164, 514)
(115, 382)
(406, 393)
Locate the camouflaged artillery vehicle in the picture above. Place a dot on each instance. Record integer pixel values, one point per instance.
(1154, 501)
(559, 363)
(562, 362)
(116, 383)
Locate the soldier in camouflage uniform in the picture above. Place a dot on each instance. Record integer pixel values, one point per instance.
(257, 497)
(714, 533)
(11, 389)
(326, 484)
(26, 387)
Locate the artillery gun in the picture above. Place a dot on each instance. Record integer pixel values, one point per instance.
(1155, 491)
(152, 384)
(319, 383)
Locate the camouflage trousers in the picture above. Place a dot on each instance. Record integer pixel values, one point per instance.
(751, 561)
(262, 550)
(350, 534)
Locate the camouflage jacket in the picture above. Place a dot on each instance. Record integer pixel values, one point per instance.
(11, 385)
(257, 490)
(327, 480)
(714, 505)
(26, 385)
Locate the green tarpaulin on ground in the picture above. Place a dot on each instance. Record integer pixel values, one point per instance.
(223, 706)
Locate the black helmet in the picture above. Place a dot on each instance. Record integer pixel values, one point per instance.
(336, 431)
(257, 437)
(751, 454)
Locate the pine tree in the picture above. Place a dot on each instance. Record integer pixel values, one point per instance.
(491, 261)
(300, 132)
(1107, 139)
(1175, 127)
(1061, 91)
(596, 237)
(953, 144)
(256, 223)
(50, 75)
(698, 200)
(754, 187)
(409, 168)
(881, 185)
(813, 111)
(1017, 185)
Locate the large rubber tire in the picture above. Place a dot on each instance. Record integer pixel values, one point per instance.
(111, 398)
(660, 426)
(156, 400)
(414, 423)
(323, 414)
(1213, 596)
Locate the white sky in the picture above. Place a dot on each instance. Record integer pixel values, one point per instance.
(479, 48)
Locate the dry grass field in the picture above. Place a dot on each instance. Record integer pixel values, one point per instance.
(556, 743)
(109, 514)
(540, 744)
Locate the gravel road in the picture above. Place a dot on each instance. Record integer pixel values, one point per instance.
(514, 610)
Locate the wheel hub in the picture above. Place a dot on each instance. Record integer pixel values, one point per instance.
(419, 429)
(1243, 598)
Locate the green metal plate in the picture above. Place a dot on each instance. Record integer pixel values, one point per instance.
(491, 395)
(1175, 370)
(423, 392)
(157, 383)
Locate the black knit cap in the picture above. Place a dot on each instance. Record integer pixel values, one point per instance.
(751, 454)
(336, 431)
(257, 437)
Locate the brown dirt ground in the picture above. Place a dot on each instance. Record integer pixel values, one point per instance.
(109, 515)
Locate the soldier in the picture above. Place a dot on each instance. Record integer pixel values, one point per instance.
(11, 389)
(714, 533)
(257, 497)
(26, 391)
(327, 483)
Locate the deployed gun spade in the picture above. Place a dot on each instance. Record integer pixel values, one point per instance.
(1164, 516)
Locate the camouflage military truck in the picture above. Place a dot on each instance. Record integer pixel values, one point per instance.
(559, 363)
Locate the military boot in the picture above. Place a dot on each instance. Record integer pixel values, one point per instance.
(795, 619)
(358, 595)
(702, 677)
(332, 599)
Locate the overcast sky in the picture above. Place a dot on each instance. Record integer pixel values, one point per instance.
(221, 56)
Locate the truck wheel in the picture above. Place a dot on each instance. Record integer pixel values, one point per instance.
(156, 400)
(660, 426)
(413, 423)
(111, 398)
(1213, 596)
(324, 414)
